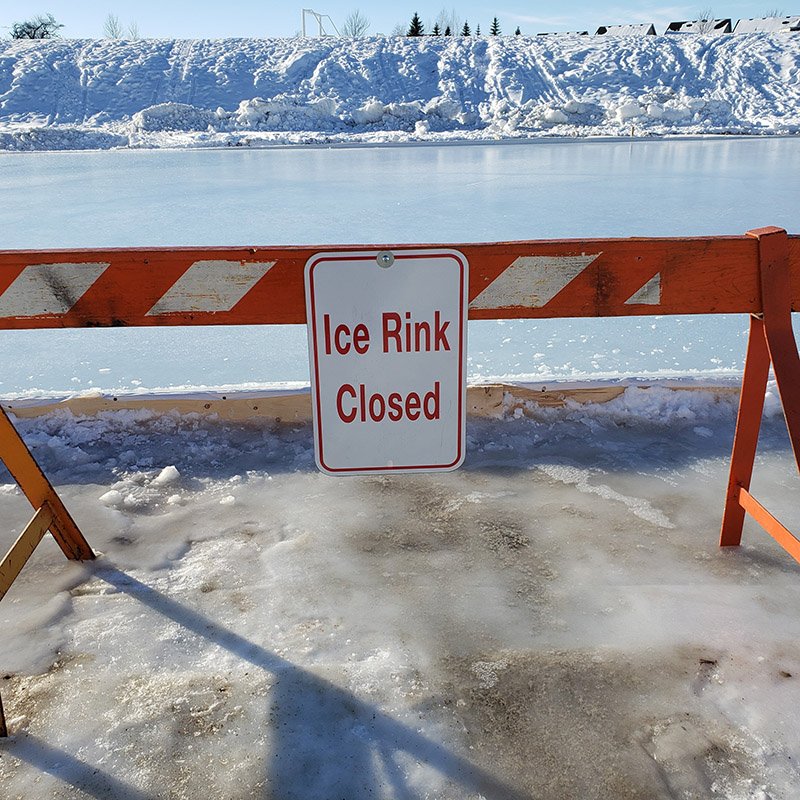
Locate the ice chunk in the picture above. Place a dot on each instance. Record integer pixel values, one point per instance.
(555, 116)
(111, 498)
(167, 476)
(629, 110)
(576, 107)
(370, 113)
(173, 117)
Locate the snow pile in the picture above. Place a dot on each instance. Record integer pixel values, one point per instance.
(172, 117)
(110, 443)
(641, 405)
(153, 93)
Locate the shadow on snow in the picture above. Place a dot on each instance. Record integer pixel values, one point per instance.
(356, 753)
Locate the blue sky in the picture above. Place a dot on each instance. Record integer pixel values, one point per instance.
(184, 19)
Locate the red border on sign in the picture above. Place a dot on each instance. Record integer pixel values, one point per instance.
(462, 318)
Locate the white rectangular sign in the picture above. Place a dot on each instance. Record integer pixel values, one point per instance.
(387, 334)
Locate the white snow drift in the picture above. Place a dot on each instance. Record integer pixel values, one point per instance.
(104, 93)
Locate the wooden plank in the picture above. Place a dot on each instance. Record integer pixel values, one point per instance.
(782, 535)
(39, 491)
(489, 400)
(748, 425)
(16, 558)
(264, 285)
(291, 407)
(775, 289)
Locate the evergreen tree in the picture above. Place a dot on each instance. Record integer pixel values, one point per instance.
(495, 29)
(478, 30)
(465, 31)
(517, 32)
(416, 28)
(436, 31)
(447, 31)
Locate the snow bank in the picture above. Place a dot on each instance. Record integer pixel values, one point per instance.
(160, 93)
(182, 443)
(645, 405)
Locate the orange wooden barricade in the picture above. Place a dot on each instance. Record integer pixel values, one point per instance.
(756, 274)
(249, 285)
(771, 341)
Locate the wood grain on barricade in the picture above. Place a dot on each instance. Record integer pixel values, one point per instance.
(245, 286)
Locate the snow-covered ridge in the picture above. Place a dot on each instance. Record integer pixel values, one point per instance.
(106, 93)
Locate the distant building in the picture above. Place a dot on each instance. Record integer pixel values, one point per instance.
(626, 30)
(709, 27)
(568, 33)
(768, 25)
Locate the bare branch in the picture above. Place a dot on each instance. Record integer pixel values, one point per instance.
(705, 21)
(355, 25)
(112, 27)
(449, 19)
(42, 26)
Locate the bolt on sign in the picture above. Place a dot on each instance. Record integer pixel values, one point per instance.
(387, 340)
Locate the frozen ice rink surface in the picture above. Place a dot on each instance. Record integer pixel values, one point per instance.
(398, 195)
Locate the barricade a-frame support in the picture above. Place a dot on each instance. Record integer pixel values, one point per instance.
(771, 342)
(50, 514)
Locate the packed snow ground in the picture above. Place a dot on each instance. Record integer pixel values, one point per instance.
(75, 94)
(554, 620)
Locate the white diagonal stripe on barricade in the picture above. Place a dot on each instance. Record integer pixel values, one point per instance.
(532, 281)
(43, 289)
(648, 295)
(211, 286)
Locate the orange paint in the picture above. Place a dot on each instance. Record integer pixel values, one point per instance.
(696, 276)
(771, 342)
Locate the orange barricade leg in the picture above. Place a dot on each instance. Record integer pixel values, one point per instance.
(51, 515)
(776, 291)
(26, 472)
(748, 424)
(771, 341)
